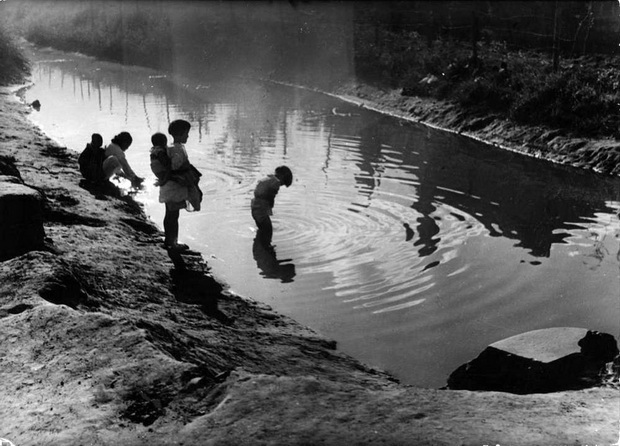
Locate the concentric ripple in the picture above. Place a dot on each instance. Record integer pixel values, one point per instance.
(413, 248)
(361, 240)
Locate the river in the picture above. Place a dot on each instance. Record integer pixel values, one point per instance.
(412, 247)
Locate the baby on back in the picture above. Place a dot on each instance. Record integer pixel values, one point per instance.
(160, 162)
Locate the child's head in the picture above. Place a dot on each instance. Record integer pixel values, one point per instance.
(285, 175)
(123, 140)
(159, 140)
(96, 140)
(179, 130)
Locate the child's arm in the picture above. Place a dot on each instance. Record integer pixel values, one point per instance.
(127, 171)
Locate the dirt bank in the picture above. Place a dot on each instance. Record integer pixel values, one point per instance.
(104, 339)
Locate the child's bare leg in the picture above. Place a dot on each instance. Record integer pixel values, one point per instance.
(171, 226)
(265, 231)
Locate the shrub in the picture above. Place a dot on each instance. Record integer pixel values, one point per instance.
(573, 98)
(14, 66)
(581, 97)
(483, 93)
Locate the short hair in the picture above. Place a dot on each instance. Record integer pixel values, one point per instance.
(97, 139)
(286, 175)
(178, 127)
(159, 139)
(123, 140)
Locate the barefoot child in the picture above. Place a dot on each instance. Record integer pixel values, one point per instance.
(264, 198)
(181, 189)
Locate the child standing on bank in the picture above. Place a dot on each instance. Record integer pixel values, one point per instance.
(176, 192)
(264, 200)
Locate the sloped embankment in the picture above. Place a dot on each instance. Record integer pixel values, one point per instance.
(104, 339)
(555, 145)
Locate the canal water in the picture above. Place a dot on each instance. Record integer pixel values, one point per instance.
(413, 248)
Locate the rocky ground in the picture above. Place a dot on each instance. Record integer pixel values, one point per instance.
(105, 339)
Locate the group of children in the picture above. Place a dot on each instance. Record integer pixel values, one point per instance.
(98, 164)
(177, 178)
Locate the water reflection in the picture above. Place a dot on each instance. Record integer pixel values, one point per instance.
(510, 199)
(409, 233)
(494, 243)
(268, 263)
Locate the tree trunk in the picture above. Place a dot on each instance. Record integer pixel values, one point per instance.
(556, 49)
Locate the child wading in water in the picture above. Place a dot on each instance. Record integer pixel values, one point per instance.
(264, 199)
(179, 186)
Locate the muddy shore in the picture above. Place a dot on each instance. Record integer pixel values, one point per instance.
(105, 339)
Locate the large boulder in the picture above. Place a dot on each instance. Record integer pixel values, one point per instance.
(539, 361)
(21, 218)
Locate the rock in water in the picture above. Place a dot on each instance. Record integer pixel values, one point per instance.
(539, 361)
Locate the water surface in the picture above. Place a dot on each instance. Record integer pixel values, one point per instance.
(413, 248)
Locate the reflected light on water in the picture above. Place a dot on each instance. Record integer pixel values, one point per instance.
(413, 248)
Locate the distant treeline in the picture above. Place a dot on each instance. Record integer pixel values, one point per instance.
(533, 61)
(577, 28)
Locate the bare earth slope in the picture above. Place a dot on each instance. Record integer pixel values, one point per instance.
(104, 341)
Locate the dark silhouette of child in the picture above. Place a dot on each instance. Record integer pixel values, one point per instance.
(181, 190)
(264, 198)
(91, 160)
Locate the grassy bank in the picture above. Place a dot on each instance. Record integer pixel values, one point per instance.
(583, 95)
(14, 66)
(113, 32)
(205, 39)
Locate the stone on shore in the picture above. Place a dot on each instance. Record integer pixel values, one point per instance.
(21, 218)
(539, 361)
